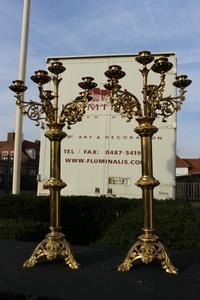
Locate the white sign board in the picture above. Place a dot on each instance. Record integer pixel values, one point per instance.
(101, 155)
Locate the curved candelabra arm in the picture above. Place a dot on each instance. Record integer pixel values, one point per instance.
(33, 110)
(122, 101)
(166, 106)
(125, 103)
(73, 112)
(169, 105)
(30, 108)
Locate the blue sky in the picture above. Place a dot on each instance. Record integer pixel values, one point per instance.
(76, 27)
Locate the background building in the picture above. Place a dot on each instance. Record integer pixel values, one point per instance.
(188, 179)
(187, 166)
(30, 163)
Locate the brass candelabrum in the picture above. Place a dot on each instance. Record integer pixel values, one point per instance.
(54, 245)
(153, 104)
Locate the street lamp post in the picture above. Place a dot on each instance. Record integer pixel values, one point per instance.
(154, 104)
(54, 245)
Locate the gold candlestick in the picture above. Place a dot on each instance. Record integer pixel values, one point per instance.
(54, 245)
(147, 247)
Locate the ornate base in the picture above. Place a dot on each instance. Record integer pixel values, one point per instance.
(148, 248)
(53, 247)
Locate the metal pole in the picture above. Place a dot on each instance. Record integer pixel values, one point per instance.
(19, 116)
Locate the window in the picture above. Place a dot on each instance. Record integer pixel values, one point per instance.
(31, 153)
(33, 172)
(4, 155)
(11, 155)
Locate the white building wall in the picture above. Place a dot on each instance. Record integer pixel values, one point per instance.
(103, 152)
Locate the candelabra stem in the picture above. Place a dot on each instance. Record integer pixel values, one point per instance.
(54, 245)
(148, 247)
